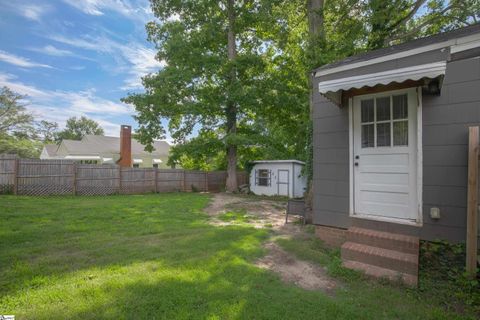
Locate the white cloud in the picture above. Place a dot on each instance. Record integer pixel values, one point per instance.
(136, 10)
(53, 51)
(132, 58)
(20, 61)
(60, 105)
(33, 12)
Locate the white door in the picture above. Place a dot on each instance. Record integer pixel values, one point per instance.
(384, 151)
(283, 182)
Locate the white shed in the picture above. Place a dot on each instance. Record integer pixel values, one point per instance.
(278, 177)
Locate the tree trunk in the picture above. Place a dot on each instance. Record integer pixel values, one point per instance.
(231, 108)
(315, 18)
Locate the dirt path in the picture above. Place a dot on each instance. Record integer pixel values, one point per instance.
(271, 213)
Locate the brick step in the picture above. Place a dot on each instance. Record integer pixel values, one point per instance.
(388, 259)
(379, 272)
(385, 240)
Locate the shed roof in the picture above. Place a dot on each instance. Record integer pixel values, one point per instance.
(279, 161)
(423, 61)
(444, 39)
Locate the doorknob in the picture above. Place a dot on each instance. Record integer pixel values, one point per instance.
(357, 157)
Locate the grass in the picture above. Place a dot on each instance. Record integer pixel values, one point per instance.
(156, 257)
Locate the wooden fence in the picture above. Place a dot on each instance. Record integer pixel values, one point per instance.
(63, 177)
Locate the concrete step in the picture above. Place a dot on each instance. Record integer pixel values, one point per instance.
(393, 260)
(385, 240)
(379, 272)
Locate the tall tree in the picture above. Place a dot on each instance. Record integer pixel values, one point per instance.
(215, 75)
(47, 131)
(13, 114)
(77, 128)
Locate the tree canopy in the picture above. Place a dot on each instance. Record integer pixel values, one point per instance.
(77, 128)
(236, 82)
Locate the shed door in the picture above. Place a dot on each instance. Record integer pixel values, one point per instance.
(385, 146)
(283, 182)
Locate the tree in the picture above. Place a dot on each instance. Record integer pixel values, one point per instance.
(77, 128)
(16, 126)
(215, 74)
(13, 115)
(47, 131)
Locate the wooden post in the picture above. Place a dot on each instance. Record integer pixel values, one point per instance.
(156, 175)
(15, 176)
(472, 201)
(74, 179)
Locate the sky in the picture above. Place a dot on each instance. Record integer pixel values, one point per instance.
(76, 57)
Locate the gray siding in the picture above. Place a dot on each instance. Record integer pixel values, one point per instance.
(330, 157)
(446, 119)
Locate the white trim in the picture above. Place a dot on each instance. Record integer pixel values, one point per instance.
(137, 161)
(457, 45)
(430, 70)
(350, 152)
(157, 161)
(83, 157)
(419, 158)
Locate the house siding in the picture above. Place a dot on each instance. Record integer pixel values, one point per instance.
(446, 119)
(330, 159)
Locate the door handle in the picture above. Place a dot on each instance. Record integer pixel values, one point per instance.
(356, 164)
(357, 157)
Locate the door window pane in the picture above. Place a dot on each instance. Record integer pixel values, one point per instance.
(368, 136)
(383, 109)
(383, 134)
(367, 110)
(400, 133)
(400, 107)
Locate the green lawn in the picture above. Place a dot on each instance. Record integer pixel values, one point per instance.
(156, 257)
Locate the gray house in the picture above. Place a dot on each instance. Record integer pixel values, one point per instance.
(390, 149)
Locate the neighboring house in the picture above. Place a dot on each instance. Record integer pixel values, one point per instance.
(278, 178)
(106, 150)
(390, 149)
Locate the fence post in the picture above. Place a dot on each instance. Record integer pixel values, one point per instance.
(15, 176)
(74, 165)
(156, 175)
(472, 201)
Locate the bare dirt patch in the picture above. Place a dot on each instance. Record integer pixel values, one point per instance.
(262, 213)
(291, 270)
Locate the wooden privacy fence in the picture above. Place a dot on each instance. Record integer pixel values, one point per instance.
(63, 177)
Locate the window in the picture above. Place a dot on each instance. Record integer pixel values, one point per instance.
(384, 121)
(136, 165)
(262, 177)
(155, 165)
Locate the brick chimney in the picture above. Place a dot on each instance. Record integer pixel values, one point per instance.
(125, 146)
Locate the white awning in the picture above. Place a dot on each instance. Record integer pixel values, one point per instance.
(107, 159)
(137, 161)
(430, 70)
(83, 157)
(157, 161)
